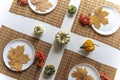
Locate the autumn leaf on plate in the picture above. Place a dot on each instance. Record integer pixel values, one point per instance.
(99, 17)
(43, 6)
(81, 74)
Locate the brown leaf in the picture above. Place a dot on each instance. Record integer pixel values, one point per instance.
(42, 5)
(81, 74)
(99, 17)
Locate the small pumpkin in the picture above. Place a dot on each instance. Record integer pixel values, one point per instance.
(62, 37)
(88, 45)
(38, 29)
(72, 9)
(49, 69)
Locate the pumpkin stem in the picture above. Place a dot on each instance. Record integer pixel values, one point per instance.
(82, 47)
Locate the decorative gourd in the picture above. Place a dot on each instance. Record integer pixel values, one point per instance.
(40, 56)
(84, 20)
(49, 69)
(38, 29)
(88, 45)
(104, 77)
(72, 9)
(62, 37)
(23, 2)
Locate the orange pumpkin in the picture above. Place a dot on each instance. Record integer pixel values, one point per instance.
(88, 45)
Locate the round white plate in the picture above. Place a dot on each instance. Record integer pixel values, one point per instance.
(29, 49)
(33, 7)
(91, 71)
(113, 22)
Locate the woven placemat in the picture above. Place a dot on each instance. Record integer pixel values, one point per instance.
(70, 59)
(32, 73)
(86, 7)
(55, 17)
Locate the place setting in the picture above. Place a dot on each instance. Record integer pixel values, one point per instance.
(49, 11)
(98, 21)
(81, 67)
(21, 56)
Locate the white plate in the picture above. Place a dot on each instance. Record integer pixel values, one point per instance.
(29, 49)
(91, 71)
(113, 22)
(33, 7)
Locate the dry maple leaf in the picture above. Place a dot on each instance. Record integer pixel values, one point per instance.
(99, 18)
(38, 1)
(43, 6)
(17, 57)
(81, 74)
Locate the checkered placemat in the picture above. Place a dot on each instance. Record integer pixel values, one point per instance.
(70, 59)
(32, 73)
(55, 17)
(86, 7)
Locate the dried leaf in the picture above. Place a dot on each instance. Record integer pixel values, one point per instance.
(99, 17)
(42, 5)
(17, 57)
(38, 1)
(81, 74)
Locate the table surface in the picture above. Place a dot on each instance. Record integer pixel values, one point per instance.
(104, 53)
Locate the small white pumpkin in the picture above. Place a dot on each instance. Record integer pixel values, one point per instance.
(62, 37)
(38, 29)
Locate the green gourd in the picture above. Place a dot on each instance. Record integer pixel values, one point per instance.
(72, 9)
(49, 70)
(38, 29)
